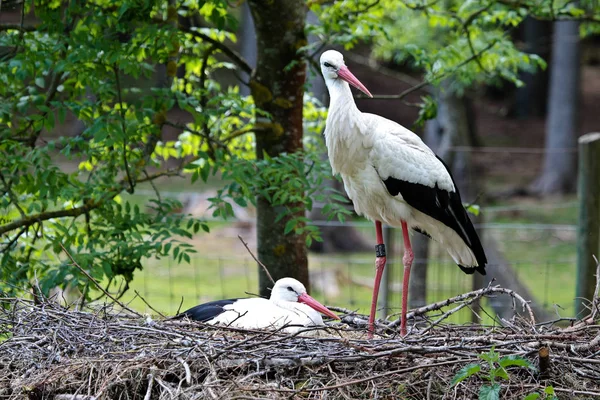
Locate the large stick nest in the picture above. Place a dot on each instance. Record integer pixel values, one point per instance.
(51, 352)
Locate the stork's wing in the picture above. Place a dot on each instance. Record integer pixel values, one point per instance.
(207, 311)
(409, 160)
(425, 183)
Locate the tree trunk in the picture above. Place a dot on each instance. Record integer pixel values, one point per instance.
(531, 99)
(247, 41)
(559, 171)
(452, 127)
(277, 87)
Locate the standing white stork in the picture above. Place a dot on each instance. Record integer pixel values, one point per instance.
(289, 307)
(391, 176)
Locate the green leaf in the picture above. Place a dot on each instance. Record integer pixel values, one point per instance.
(498, 372)
(289, 226)
(49, 121)
(473, 209)
(489, 392)
(465, 372)
(515, 361)
(491, 356)
(40, 81)
(532, 396)
(62, 113)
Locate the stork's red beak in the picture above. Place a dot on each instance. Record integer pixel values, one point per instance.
(312, 303)
(346, 75)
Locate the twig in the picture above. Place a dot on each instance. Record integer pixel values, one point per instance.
(150, 383)
(148, 304)
(474, 294)
(390, 373)
(124, 129)
(264, 267)
(447, 314)
(421, 85)
(596, 299)
(565, 390)
(97, 284)
(234, 55)
(188, 374)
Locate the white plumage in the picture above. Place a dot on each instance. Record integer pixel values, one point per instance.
(391, 175)
(289, 308)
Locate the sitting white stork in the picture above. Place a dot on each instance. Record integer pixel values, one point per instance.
(393, 177)
(289, 308)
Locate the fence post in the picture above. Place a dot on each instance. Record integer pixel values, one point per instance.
(588, 228)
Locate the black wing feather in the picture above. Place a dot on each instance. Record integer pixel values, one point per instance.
(207, 311)
(444, 206)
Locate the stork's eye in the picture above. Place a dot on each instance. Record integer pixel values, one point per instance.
(327, 65)
(290, 289)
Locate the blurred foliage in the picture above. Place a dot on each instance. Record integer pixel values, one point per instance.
(97, 61)
(466, 42)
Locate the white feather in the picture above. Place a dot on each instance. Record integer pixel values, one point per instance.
(281, 310)
(264, 314)
(366, 148)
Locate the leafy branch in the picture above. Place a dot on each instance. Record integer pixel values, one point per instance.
(236, 57)
(496, 369)
(432, 80)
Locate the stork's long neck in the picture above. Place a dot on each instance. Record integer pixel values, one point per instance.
(341, 103)
(344, 128)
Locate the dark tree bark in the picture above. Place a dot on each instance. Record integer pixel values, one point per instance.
(531, 99)
(559, 170)
(247, 41)
(277, 87)
(452, 127)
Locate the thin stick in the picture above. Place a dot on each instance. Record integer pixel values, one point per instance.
(389, 373)
(148, 304)
(596, 299)
(474, 294)
(257, 260)
(97, 284)
(150, 382)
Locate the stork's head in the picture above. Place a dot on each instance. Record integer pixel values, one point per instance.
(291, 290)
(333, 67)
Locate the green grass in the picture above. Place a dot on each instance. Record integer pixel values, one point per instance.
(545, 259)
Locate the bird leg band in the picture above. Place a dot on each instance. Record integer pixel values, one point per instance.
(380, 250)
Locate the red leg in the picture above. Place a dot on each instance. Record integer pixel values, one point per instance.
(379, 266)
(408, 260)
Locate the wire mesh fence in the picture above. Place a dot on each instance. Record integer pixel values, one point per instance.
(542, 257)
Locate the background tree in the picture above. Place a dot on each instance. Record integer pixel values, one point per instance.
(97, 62)
(560, 162)
(277, 87)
